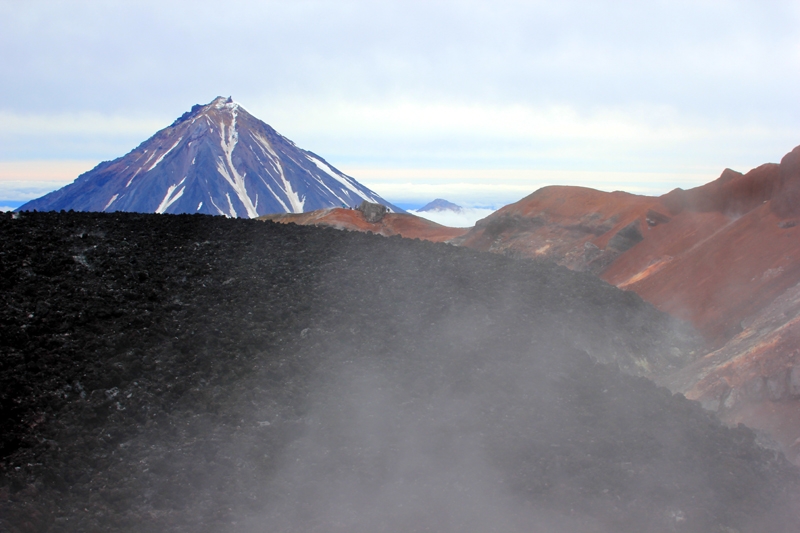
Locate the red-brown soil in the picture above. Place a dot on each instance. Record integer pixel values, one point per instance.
(713, 255)
(723, 256)
(408, 226)
(557, 223)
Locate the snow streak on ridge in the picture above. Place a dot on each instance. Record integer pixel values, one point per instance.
(113, 198)
(326, 169)
(235, 180)
(294, 199)
(169, 199)
(160, 159)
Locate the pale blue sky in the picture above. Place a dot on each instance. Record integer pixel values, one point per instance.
(478, 102)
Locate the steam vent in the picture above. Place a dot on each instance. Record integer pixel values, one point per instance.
(192, 373)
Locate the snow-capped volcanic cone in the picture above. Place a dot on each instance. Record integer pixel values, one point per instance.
(216, 159)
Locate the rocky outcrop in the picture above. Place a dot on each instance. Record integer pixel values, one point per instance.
(732, 194)
(372, 212)
(627, 237)
(755, 377)
(654, 218)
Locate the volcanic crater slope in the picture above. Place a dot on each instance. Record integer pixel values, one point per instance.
(194, 373)
(724, 256)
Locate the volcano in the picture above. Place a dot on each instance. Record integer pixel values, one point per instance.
(441, 204)
(216, 159)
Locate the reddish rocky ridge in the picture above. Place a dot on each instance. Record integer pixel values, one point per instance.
(725, 256)
(391, 224)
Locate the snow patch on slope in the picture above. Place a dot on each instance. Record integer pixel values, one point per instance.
(228, 171)
(169, 198)
(134, 175)
(278, 198)
(150, 158)
(294, 199)
(341, 179)
(220, 211)
(160, 159)
(113, 199)
(344, 202)
(232, 213)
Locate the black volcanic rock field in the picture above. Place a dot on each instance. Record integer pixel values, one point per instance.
(201, 374)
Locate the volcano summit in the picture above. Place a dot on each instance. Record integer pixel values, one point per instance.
(216, 159)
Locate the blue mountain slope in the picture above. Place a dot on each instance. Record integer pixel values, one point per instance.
(216, 159)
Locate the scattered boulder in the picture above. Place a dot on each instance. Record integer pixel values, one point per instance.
(626, 238)
(372, 212)
(590, 251)
(654, 218)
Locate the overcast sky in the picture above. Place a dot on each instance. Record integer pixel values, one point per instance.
(477, 102)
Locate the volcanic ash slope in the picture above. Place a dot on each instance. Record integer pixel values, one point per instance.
(192, 373)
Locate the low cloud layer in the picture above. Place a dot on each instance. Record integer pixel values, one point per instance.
(465, 218)
(21, 181)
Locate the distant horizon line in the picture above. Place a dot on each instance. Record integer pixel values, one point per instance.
(409, 188)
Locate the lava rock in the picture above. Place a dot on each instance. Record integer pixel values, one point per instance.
(270, 377)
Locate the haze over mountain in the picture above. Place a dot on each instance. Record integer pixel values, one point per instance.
(216, 159)
(450, 214)
(724, 256)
